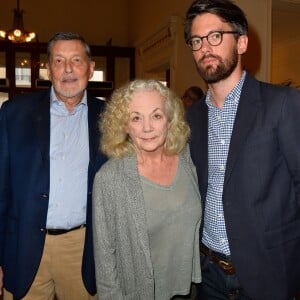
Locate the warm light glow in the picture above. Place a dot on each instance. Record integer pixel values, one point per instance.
(18, 34)
(19, 37)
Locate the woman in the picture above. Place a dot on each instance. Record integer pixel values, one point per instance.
(146, 204)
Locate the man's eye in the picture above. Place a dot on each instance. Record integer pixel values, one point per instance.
(196, 41)
(215, 36)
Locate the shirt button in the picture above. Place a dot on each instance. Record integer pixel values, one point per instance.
(222, 168)
(222, 142)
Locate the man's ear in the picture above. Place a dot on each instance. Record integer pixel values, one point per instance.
(242, 44)
(48, 71)
(92, 68)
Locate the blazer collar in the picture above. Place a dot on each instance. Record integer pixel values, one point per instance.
(245, 117)
(200, 138)
(94, 135)
(248, 106)
(41, 124)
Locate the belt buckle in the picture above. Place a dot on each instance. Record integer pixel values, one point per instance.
(227, 267)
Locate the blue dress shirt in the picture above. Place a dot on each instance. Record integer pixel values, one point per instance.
(69, 160)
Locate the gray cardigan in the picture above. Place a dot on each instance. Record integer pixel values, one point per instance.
(119, 226)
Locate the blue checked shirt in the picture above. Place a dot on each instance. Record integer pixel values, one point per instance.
(220, 125)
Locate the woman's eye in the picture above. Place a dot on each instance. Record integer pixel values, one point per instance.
(157, 116)
(135, 119)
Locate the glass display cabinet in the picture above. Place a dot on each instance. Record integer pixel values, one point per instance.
(23, 68)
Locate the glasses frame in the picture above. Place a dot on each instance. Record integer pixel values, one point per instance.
(199, 45)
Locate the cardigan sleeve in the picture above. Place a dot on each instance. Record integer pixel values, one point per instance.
(107, 280)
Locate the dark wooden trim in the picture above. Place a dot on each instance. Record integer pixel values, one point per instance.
(36, 49)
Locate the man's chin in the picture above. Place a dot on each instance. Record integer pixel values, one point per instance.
(69, 94)
(208, 75)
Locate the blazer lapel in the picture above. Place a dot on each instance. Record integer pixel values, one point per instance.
(94, 136)
(246, 114)
(203, 149)
(198, 120)
(41, 124)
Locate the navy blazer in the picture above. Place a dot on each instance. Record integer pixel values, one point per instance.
(261, 195)
(24, 187)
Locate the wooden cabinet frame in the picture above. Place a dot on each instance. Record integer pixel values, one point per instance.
(34, 50)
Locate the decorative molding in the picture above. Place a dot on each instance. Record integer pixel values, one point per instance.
(160, 39)
(158, 51)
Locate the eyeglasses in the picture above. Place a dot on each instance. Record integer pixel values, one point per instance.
(214, 38)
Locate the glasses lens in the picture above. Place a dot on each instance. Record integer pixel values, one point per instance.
(195, 43)
(215, 38)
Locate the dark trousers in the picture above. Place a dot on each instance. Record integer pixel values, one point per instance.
(216, 285)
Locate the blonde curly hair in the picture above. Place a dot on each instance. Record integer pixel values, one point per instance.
(116, 143)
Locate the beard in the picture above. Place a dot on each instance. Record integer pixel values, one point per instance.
(223, 70)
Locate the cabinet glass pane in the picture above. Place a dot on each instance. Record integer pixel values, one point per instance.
(23, 69)
(3, 97)
(42, 67)
(122, 71)
(100, 69)
(2, 68)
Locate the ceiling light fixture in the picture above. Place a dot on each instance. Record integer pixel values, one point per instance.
(18, 34)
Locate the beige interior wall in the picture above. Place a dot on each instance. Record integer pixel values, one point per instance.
(96, 20)
(286, 49)
(129, 22)
(146, 18)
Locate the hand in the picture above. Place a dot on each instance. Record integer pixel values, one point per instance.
(1, 280)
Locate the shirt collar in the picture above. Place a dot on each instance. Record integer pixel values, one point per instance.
(233, 95)
(54, 99)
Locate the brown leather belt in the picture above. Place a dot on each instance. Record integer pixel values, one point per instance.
(62, 231)
(218, 259)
